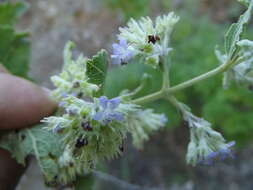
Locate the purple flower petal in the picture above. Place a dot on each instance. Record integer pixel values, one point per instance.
(230, 144)
(121, 52)
(98, 116)
(64, 94)
(103, 101)
(62, 104)
(116, 49)
(226, 152)
(222, 154)
(116, 116)
(212, 155)
(114, 103)
(123, 42)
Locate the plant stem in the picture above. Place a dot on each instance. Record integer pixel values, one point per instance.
(169, 90)
(166, 77)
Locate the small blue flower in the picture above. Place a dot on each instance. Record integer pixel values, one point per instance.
(108, 113)
(121, 52)
(222, 154)
(62, 104)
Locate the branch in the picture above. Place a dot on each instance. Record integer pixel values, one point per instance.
(161, 94)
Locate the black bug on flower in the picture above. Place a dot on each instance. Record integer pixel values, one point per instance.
(124, 63)
(23, 137)
(121, 148)
(80, 95)
(71, 164)
(86, 126)
(153, 39)
(81, 141)
(76, 84)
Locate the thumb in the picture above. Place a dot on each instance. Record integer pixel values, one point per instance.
(22, 103)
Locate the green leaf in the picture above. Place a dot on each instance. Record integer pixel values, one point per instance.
(14, 51)
(42, 144)
(97, 69)
(234, 32)
(10, 12)
(14, 47)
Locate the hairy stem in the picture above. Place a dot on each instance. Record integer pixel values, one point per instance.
(166, 77)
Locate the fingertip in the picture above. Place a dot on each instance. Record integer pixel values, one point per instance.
(23, 103)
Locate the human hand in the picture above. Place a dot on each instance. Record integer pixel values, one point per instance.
(22, 104)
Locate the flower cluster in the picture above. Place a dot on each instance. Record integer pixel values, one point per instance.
(146, 39)
(205, 145)
(73, 78)
(243, 72)
(221, 154)
(93, 128)
(142, 123)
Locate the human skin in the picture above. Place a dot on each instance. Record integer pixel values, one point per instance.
(22, 104)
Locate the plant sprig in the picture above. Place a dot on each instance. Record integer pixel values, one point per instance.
(89, 127)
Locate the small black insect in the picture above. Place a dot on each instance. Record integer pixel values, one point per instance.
(124, 63)
(76, 84)
(23, 137)
(71, 164)
(121, 148)
(50, 155)
(81, 142)
(80, 95)
(91, 163)
(86, 126)
(153, 39)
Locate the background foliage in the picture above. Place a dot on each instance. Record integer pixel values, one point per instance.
(14, 46)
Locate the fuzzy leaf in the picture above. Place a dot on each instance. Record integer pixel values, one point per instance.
(10, 12)
(97, 69)
(234, 32)
(42, 144)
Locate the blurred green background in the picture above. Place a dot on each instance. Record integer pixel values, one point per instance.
(92, 24)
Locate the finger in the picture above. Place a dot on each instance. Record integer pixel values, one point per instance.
(22, 103)
(10, 172)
